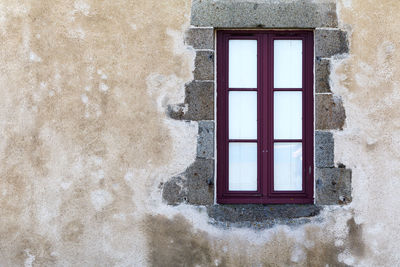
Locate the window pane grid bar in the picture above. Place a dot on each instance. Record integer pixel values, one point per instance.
(287, 89)
(242, 89)
(243, 140)
(288, 140)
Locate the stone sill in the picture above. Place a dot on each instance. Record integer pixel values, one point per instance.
(262, 216)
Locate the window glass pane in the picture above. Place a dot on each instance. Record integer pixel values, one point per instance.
(242, 166)
(242, 115)
(288, 166)
(288, 115)
(288, 63)
(242, 63)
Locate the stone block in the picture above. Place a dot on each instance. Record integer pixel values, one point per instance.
(200, 182)
(260, 213)
(200, 100)
(333, 186)
(175, 190)
(324, 149)
(194, 186)
(204, 65)
(200, 38)
(263, 14)
(199, 103)
(205, 141)
(329, 112)
(330, 42)
(322, 72)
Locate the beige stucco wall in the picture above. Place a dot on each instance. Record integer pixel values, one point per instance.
(85, 142)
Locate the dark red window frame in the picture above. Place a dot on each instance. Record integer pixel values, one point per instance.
(265, 193)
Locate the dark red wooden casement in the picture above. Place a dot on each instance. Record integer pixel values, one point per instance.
(265, 193)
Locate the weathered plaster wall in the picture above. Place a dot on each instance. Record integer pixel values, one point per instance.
(86, 142)
(369, 82)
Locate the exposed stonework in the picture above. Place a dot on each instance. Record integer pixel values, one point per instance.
(200, 38)
(199, 102)
(194, 186)
(330, 42)
(322, 72)
(324, 157)
(175, 190)
(205, 143)
(329, 112)
(204, 65)
(261, 216)
(333, 186)
(264, 14)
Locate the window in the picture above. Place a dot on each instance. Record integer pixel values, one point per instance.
(265, 117)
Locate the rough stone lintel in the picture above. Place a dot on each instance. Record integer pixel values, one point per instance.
(329, 112)
(264, 14)
(200, 38)
(333, 186)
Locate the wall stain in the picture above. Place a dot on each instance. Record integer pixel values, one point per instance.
(77, 116)
(355, 241)
(73, 231)
(175, 242)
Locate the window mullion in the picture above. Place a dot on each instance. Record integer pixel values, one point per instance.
(265, 115)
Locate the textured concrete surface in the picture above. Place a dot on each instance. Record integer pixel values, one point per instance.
(324, 149)
(268, 14)
(333, 186)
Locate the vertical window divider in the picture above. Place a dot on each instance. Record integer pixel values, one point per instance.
(270, 111)
(260, 148)
(264, 115)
